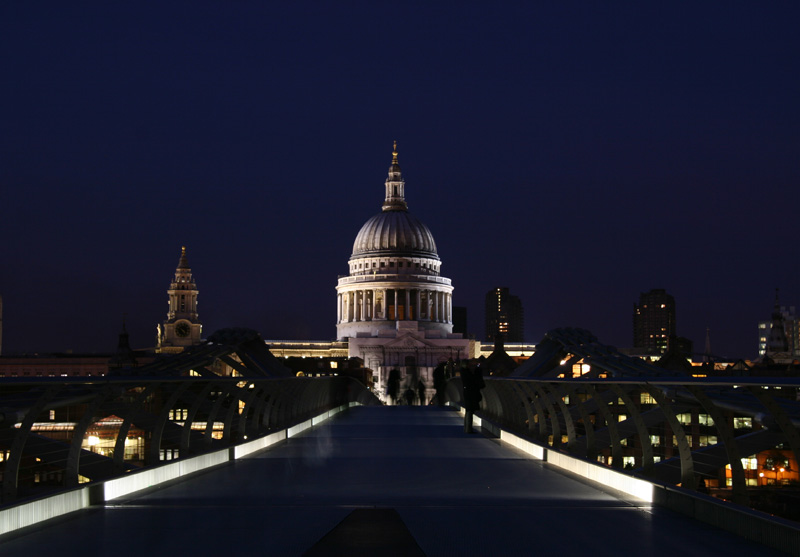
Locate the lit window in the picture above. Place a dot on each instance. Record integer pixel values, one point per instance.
(742, 422)
(647, 398)
(749, 463)
(705, 419)
(706, 440)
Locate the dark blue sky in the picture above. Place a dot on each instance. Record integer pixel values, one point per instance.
(577, 152)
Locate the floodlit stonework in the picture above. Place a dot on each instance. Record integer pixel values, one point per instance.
(395, 307)
(182, 327)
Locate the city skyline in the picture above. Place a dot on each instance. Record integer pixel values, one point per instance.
(578, 154)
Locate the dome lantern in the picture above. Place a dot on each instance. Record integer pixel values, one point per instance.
(395, 186)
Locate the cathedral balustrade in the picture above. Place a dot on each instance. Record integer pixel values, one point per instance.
(345, 279)
(726, 435)
(56, 435)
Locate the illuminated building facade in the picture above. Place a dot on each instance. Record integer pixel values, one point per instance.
(654, 321)
(56, 365)
(182, 327)
(395, 307)
(504, 316)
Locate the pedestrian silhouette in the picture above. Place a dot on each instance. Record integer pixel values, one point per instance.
(472, 383)
(393, 385)
(439, 383)
(421, 392)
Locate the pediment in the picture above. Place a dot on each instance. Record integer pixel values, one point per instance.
(408, 340)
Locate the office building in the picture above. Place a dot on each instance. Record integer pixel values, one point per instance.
(504, 316)
(654, 321)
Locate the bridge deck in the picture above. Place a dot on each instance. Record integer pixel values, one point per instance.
(456, 494)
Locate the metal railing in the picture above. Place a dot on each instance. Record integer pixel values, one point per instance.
(55, 434)
(692, 432)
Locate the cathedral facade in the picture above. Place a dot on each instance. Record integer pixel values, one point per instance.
(395, 308)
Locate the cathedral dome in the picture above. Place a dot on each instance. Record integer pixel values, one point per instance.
(395, 233)
(395, 282)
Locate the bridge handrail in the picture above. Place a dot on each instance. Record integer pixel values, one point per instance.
(183, 416)
(619, 419)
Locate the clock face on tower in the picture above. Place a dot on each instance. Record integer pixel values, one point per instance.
(182, 329)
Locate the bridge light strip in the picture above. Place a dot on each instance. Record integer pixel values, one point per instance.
(635, 487)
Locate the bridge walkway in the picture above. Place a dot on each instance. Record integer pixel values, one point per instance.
(418, 484)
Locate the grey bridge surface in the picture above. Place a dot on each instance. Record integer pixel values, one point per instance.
(453, 493)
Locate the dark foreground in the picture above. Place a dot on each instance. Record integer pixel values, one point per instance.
(420, 486)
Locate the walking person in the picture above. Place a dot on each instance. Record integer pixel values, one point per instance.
(472, 383)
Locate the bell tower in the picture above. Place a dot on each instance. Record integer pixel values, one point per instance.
(182, 327)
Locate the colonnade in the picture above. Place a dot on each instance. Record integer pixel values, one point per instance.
(395, 304)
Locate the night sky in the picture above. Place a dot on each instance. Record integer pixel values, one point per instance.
(577, 152)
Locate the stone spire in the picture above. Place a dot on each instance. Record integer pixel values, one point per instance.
(183, 274)
(124, 344)
(395, 186)
(183, 292)
(124, 356)
(183, 263)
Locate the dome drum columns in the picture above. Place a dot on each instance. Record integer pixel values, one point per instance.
(395, 304)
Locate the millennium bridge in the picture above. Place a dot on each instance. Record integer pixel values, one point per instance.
(172, 457)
